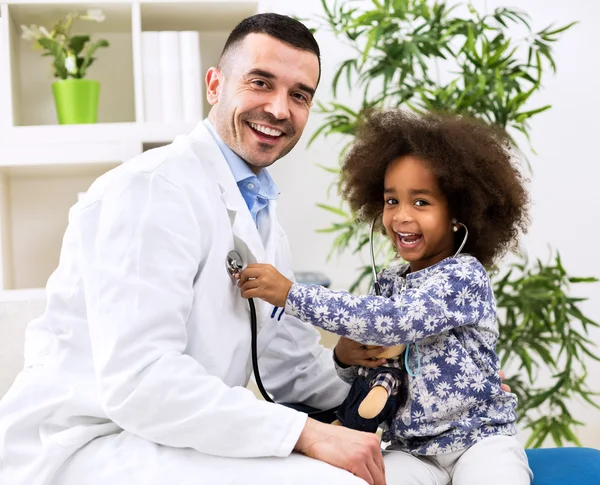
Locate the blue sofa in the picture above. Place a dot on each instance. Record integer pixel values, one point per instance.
(565, 466)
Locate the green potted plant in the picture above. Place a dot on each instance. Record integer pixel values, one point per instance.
(400, 49)
(76, 98)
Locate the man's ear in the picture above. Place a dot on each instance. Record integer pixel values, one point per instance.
(213, 85)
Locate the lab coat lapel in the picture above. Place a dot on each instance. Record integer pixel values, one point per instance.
(246, 238)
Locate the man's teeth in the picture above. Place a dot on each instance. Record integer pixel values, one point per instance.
(266, 130)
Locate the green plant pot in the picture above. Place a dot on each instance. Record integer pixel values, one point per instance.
(76, 100)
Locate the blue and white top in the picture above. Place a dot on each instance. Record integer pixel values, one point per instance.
(449, 310)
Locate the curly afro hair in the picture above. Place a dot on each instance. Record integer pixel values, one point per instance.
(472, 161)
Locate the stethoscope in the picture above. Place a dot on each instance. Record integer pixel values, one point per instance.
(234, 264)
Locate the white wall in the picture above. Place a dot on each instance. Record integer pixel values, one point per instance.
(565, 192)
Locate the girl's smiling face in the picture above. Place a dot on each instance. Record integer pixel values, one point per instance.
(416, 215)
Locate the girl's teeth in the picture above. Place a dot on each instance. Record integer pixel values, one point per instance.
(409, 239)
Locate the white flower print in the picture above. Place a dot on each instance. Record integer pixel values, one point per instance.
(341, 315)
(434, 449)
(426, 399)
(351, 301)
(416, 310)
(430, 324)
(314, 294)
(463, 272)
(460, 317)
(451, 356)
(355, 326)
(466, 366)
(390, 339)
(443, 290)
(384, 324)
(330, 325)
(418, 416)
(442, 388)
(478, 383)
(461, 381)
(414, 335)
(405, 324)
(321, 312)
(463, 295)
(374, 305)
(292, 309)
(335, 296)
(480, 278)
(431, 372)
(476, 435)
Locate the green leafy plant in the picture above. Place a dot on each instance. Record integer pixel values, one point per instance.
(542, 327)
(424, 56)
(73, 54)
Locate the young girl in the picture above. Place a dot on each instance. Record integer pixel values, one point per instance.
(439, 182)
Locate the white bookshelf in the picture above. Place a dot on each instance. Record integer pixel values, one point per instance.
(43, 165)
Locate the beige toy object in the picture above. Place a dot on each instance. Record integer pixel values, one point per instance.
(376, 399)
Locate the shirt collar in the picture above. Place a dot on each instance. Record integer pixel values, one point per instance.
(240, 169)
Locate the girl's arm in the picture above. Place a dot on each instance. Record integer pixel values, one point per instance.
(458, 293)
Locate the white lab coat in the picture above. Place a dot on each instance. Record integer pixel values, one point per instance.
(145, 332)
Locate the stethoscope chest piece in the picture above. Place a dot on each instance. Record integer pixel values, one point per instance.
(234, 264)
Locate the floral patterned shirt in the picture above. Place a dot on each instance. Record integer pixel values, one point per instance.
(447, 309)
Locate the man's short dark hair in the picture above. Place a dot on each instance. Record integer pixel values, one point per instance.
(281, 27)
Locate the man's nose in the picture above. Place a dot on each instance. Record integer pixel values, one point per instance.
(279, 106)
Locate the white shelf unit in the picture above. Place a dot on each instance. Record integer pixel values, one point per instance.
(43, 166)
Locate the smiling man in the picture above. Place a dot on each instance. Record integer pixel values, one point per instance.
(136, 373)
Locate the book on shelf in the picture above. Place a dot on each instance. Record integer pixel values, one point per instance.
(151, 77)
(171, 76)
(191, 86)
(4, 93)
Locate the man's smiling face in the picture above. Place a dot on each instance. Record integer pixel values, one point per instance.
(261, 98)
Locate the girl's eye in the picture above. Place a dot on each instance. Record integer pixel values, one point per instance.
(421, 203)
(391, 201)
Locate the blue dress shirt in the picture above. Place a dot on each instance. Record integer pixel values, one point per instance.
(256, 190)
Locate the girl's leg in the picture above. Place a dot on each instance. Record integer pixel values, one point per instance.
(497, 460)
(405, 469)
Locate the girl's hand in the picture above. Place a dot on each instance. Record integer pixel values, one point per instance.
(348, 352)
(265, 282)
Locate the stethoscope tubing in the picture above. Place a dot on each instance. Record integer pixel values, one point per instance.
(254, 346)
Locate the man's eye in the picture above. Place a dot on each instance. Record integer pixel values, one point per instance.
(300, 97)
(260, 83)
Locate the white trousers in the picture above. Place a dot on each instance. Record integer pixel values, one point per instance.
(125, 459)
(497, 460)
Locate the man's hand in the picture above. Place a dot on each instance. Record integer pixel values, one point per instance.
(349, 352)
(355, 451)
(265, 282)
